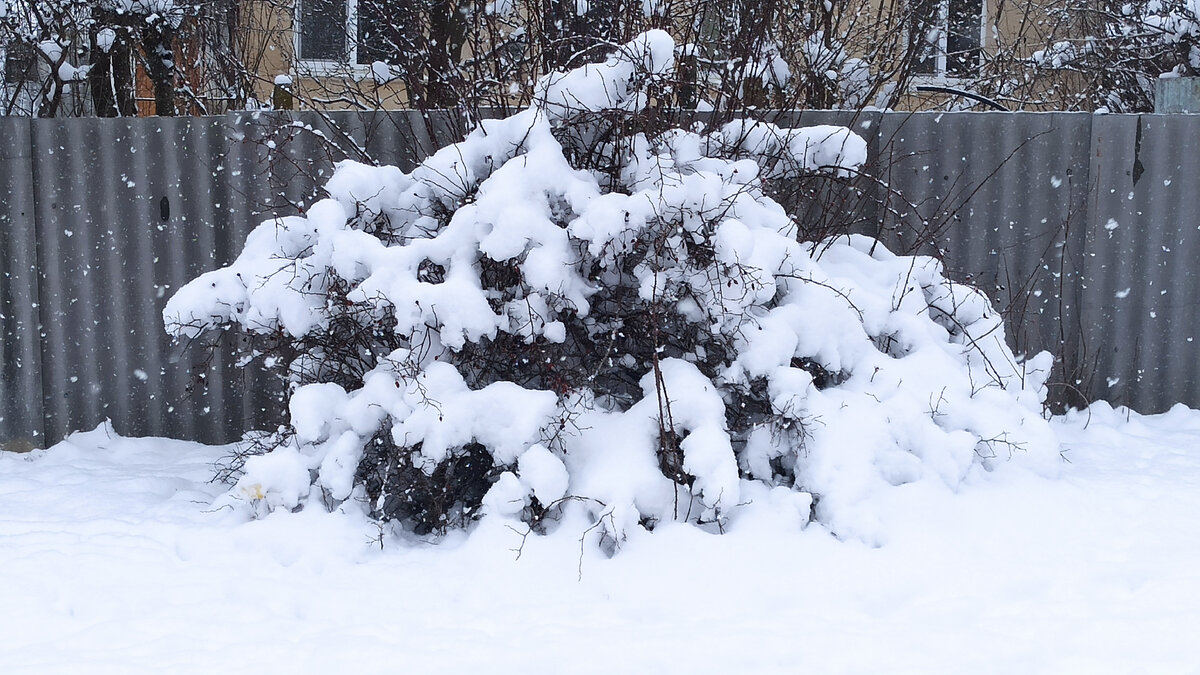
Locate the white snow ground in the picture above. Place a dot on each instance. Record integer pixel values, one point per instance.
(111, 561)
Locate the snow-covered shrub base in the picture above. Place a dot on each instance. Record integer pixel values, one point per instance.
(561, 311)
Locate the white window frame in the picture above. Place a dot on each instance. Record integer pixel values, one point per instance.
(939, 76)
(326, 67)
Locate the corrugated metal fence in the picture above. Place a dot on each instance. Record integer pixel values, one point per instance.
(1083, 227)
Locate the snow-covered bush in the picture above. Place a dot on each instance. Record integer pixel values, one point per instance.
(583, 307)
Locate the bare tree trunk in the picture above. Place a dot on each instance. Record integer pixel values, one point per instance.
(110, 80)
(158, 46)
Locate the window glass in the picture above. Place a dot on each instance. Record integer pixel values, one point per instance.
(946, 37)
(19, 63)
(323, 30)
(925, 36)
(963, 37)
(374, 43)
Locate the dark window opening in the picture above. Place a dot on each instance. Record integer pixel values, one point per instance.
(381, 27)
(20, 63)
(963, 37)
(925, 36)
(323, 30)
(946, 37)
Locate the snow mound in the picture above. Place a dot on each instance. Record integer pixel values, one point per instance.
(630, 327)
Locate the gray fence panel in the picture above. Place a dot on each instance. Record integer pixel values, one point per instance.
(405, 138)
(20, 337)
(104, 219)
(1004, 197)
(309, 144)
(129, 212)
(209, 179)
(1142, 313)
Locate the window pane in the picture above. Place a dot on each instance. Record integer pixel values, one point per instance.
(925, 36)
(963, 40)
(373, 42)
(323, 30)
(19, 63)
(388, 31)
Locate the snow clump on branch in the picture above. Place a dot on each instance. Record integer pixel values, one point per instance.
(579, 308)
